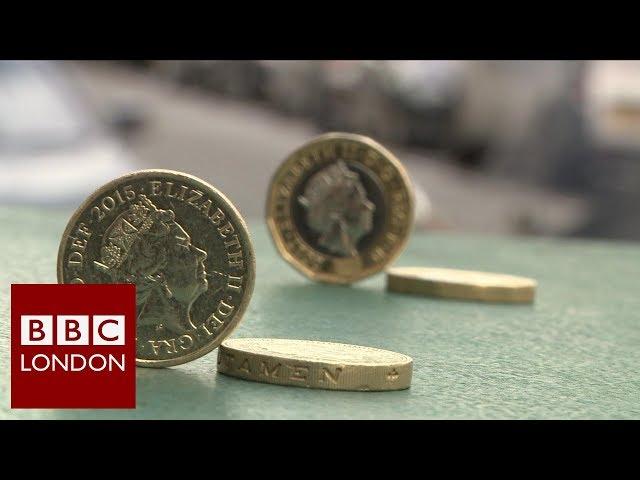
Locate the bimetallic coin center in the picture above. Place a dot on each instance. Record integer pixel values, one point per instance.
(338, 208)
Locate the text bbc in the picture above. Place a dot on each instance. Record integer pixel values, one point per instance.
(72, 331)
(73, 346)
(101, 330)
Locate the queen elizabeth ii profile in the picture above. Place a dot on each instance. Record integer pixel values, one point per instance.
(147, 247)
(338, 209)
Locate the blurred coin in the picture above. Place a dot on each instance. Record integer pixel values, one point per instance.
(312, 364)
(185, 247)
(461, 284)
(340, 208)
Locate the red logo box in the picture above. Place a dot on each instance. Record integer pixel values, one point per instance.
(73, 346)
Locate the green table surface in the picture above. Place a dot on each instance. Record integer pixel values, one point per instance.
(573, 354)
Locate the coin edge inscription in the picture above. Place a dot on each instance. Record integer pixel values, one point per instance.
(316, 374)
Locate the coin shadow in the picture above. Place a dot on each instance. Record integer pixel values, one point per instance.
(187, 393)
(290, 402)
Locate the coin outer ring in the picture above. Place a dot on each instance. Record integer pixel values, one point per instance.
(352, 376)
(400, 280)
(248, 248)
(276, 233)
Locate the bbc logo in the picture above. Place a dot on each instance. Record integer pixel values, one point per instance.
(72, 330)
(66, 352)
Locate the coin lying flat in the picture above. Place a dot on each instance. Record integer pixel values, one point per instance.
(312, 364)
(461, 284)
(185, 247)
(340, 208)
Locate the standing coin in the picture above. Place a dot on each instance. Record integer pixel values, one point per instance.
(312, 364)
(461, 284)
(182, 243)
(340, 208)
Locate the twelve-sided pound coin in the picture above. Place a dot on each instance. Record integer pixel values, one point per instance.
(185, 247)
(340, 208)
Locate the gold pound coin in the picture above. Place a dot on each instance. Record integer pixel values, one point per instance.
(312, 364)
(340, 208)
(461, 284)
(185, 247)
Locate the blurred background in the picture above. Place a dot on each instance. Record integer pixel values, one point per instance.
(498, 147)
